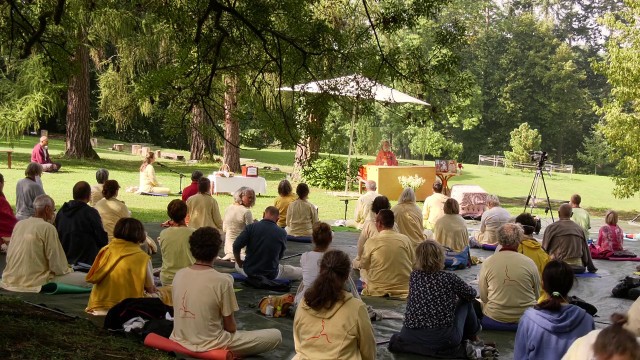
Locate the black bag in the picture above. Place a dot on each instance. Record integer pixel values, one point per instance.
(590, 309)
(622, 289)
(263, 283)
(127, 309)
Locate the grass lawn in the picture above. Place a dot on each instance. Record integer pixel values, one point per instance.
(511, 185)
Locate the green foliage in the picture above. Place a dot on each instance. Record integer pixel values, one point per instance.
(26, 95)
(596, 151)
(524, 139)
(428, 141)
(330, 173)
(621, 111)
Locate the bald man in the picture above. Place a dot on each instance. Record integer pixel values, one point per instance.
(40, 155)
(564, 240)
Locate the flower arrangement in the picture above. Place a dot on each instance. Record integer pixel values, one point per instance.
(414, 182)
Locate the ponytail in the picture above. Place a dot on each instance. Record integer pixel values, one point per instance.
(147, 160)
(557, 281)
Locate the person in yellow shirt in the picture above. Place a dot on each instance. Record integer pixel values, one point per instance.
(237, 216)
(102, 175)
(409, 217)
(433, 208)
(148, 181)
(388, 258)
(35, 255)
(110, 208)
(330, 323)
(363, 205)
(301, 214)
(451, 230)
(174, 242)
(529, 246)
(203, 208)
(284, 199)
(121, 269)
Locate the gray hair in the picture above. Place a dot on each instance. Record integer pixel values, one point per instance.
(33, 169)
(492, 200)
(510, 235)
(370, 185)
(42, 201)
(237, 196)
(102, 175)
(407, 196)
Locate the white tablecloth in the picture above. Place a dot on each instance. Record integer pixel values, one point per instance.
(231, 184)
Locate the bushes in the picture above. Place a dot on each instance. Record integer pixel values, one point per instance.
(330, 173)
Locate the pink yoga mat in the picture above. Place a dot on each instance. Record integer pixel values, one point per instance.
(622, 259)
(162, 343)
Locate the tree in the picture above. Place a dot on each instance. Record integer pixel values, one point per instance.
(620, 112)
(596, 151)
(524, 139)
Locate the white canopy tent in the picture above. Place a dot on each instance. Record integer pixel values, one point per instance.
(360, 88)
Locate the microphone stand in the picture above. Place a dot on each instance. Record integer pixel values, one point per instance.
(175, 172)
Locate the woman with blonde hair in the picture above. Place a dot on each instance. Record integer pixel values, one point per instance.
(237, 217)
(148, 181)
(331, 323)
(439, 313)
(610, 236)
(409, 216)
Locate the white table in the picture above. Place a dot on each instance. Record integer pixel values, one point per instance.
(231, 184)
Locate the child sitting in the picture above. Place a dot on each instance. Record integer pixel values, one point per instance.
(322, 236)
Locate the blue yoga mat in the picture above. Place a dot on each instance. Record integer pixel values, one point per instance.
(588, 275)
(488, 247)
(240, 277)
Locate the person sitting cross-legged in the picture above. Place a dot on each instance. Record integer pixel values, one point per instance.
(301, 214)
(564, 240)
(203, 208)
(547, 330)
(102, 175)
(408, 216)
(283, 200)
(439, 313)
(363, 205)
(388, 258)
(610, 235)
(204, 303)
(433, 208)
(237, 216)
(27, 190)
(35, 255)
(494, 217)
(192, 188)
(80, 227)
(310, 260)
(451, 230)
(265, 244)
(121, 270)
(174, 242)
(7, 218)
(330, 323)
(40, 155)
(508, 281)
(529, 246)
(110, 208)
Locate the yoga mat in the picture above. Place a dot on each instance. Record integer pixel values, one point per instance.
(359, 285)
(162, 343)
(300, 239)
(60, 288)
(153, 194)
(622, 259)
(488, 247)
(240, 277)
(588, 275)
(224, 263)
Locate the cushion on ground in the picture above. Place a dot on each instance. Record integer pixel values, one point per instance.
(162, 343)
(240, 277)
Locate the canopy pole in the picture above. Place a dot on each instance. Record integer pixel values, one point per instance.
(354, 115)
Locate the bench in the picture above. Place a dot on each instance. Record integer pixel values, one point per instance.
(9, 153)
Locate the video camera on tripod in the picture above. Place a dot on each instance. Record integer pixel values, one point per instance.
(539, 157)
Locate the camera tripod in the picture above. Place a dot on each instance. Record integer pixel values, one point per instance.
(533, 192)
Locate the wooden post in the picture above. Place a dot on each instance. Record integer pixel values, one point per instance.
(118, 147)
(158, 154)
(94, 142)
(44, 132)
(135, 149)
(145, 150)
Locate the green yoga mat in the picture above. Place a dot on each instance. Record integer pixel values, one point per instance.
(60, 288)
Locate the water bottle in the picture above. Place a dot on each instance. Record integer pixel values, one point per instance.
(269, 310)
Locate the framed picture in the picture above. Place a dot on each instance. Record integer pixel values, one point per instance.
(444, 167)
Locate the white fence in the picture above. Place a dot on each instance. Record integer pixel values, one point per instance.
(500, 161)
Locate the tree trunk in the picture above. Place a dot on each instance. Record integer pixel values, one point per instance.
(197, 139)
(308, 147)
(78, 109)
(231, 152)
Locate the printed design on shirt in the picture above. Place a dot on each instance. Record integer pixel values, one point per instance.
(507, 279)
(322, 333)
(184, 311)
